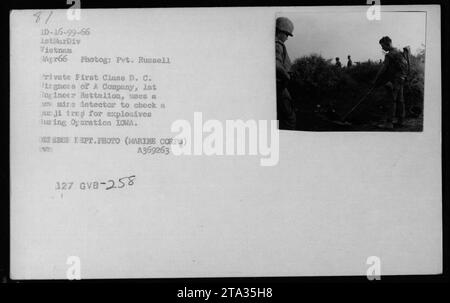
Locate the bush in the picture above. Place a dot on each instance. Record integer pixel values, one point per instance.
(414, 86)
(314, 77)
(316, 81)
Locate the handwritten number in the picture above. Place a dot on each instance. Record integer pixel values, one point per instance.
(131, 180)
(38, 16)
(48, 18)
(112, 184)
(121, 183)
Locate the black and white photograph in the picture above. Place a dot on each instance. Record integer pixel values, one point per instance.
(345, 72)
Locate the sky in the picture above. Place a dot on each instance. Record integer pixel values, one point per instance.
(351, 33)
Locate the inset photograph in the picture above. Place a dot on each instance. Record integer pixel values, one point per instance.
(344, 72)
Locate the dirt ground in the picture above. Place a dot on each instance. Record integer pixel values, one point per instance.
(365, 117)
(310, 121)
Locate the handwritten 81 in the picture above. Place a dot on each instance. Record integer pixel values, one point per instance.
(95, 185)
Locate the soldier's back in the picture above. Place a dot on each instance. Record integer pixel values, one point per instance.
(398, 65)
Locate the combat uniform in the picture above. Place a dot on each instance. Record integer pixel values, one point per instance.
(395, 76)
(349, 63)
(285, 109)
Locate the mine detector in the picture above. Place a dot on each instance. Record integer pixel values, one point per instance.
(343, 120)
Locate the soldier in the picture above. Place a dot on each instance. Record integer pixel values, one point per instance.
(285, 108)
(392, 75)
(338, 62)
(349, 62)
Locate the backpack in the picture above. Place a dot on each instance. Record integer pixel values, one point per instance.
(400, 62)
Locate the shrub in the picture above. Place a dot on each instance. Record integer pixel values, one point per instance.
(317, 81)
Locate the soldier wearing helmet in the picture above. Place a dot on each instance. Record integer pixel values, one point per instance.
(392, 75)
(285, 108)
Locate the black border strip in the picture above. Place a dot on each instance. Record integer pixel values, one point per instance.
(285, 284)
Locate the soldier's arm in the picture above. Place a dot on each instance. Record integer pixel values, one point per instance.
(381, 71)
(282, 73)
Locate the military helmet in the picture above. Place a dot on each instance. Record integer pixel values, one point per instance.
(285, 25)
(385, 40)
